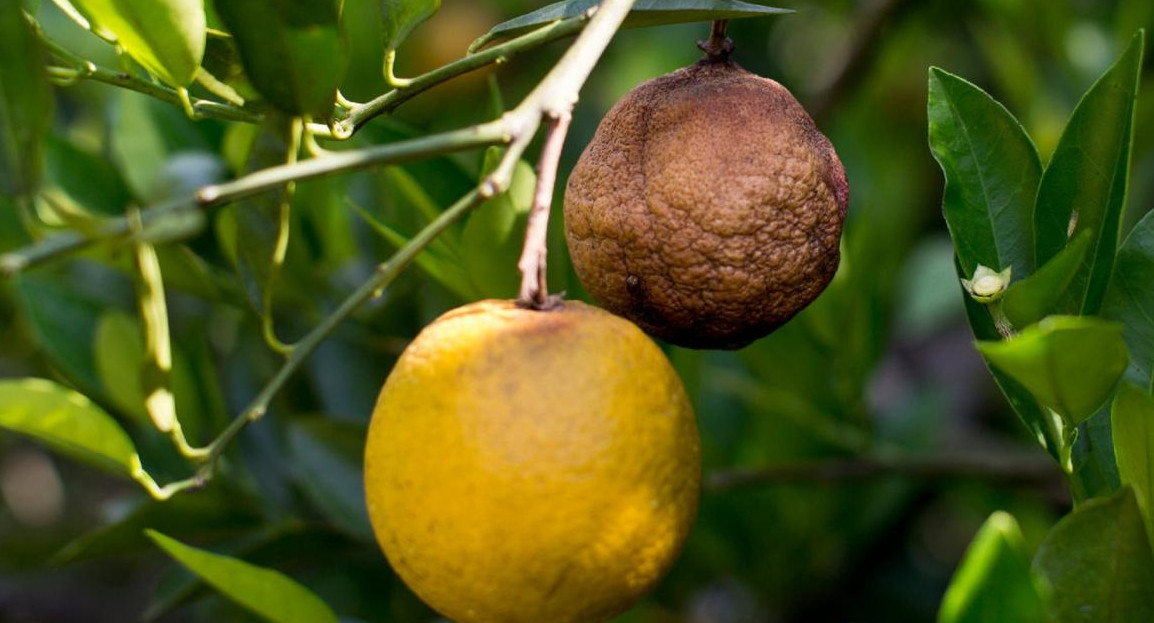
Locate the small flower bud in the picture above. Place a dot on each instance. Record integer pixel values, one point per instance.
(987, 285)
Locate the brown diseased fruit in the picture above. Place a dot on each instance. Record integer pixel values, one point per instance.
(708, 207)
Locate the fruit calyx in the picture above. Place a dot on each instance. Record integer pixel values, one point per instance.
(552, 302)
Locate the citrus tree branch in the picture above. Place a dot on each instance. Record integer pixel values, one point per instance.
(1016, 468)
(359, 114)
(534, 290)
(382, 277)
(81, 69)
(553, 98)
(492, 133)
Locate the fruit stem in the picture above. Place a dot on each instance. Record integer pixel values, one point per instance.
(534, 290)
(719, 46)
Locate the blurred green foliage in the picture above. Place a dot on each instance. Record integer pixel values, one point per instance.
(882, 365)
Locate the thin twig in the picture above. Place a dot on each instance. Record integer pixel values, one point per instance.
(360, 114)
(718, 46)
(492, 133)
(1017, 469)
(534, 288)
(87, 70)
(381, 278)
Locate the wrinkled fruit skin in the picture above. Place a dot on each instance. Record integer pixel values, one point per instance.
(532, 466)
(708, 207)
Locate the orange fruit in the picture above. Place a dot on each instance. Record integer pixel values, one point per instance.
(708, 207)
(532, 466)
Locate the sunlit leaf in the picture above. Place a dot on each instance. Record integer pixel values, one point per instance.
(1087, 178)
(268, 593)
(992, 171)
(1132, 417)
(293, 51)
(1096, 565)
(1052, 360)
(644, 13)
(25, 103)
(992, 583)
(67, 422)
(1130, 299)
(165, 36)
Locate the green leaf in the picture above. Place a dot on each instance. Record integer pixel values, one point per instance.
(1130, 299)
(495, 233)
(644, 13)
(213, 512)
(293, 51)
(1037, 296)
(327, 458)
(270, 594)
(322, 218)
(262, 221)
(119, 358)
(445, 269)
(400, 17)
(1132, 418)
(222, 62)
(1070, 363)
(165, 36)
(411, 195)
(992, 583)
(145, 136)
(992, 171)
(1095, 566)
(64, 324)
(87, 179)
(1087, 178)
(68, 422)
(25, 103)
